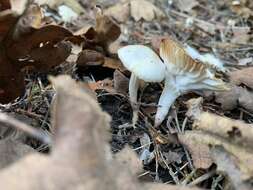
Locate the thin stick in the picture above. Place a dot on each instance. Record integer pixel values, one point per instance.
(38, 134)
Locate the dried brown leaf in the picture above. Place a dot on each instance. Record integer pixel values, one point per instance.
(119, 12)
(11, 151)
(22, 47)
(235, 96)
(4, 5)
(120, 82)
(243, 76)
(200, 152)
(233, 135)
(142, 9)
(25, 42)
(226, 163)
(90, 58)
(105, 32)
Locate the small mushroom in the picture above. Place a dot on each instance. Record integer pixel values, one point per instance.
(183, 74)
(179, 70)
(144, 64)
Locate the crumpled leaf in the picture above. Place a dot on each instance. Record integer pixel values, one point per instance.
(80, 156)
(120, 11)
(235, 96)
(234, 136)
(243, 76)
(26, 42)
(144, 9)
(226, 163)
(138, 9)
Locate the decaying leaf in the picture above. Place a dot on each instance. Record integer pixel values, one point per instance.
(226, 164)
(243, 76)
(233, 135)
(138, 9)
(235, 96)
(11, 151)
(26, 42)
(142, 9)
(120, 82)
(120, 11)
(80, 156)
(105, 32)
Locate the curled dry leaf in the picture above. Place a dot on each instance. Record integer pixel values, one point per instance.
(26, 42)
(233, 135)
(80, 156)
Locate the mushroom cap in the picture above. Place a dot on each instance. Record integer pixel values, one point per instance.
(143, 62)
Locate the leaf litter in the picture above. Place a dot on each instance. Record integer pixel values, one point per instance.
(204, 143)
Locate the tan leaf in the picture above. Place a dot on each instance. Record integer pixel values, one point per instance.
(145, 9)
(199, 151)
(80, 156)
(11, 151)
(18, 6)
(243, 76)
(226, 163)
(235, 96)
(120, 12)
(234, 136)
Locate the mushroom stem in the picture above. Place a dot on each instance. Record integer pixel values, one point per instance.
(133, 93)
(167, 98)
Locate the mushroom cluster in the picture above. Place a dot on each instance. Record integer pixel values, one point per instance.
(180, 72)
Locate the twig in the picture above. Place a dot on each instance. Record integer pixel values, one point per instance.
(38, 134)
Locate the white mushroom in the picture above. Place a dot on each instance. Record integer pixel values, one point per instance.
(179, 70)
(144, 64)
(183, 74)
